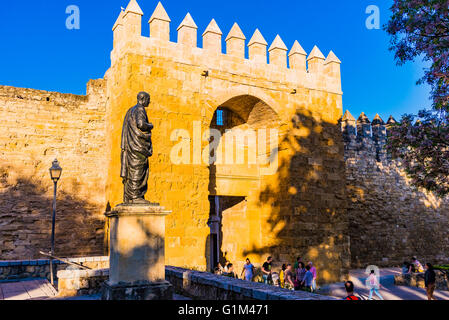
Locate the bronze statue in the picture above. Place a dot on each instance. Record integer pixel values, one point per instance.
(137, 147)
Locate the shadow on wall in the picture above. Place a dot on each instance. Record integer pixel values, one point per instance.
(390, 221)
(304, 205)
(25, 220)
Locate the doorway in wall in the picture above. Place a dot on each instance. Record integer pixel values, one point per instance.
(224, 210)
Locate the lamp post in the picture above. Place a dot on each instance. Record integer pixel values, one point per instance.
(55, 174)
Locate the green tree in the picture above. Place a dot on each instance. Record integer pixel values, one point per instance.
(420, 29)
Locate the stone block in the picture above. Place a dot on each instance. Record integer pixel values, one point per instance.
(138, 291)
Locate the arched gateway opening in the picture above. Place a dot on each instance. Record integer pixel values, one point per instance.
(243, 132)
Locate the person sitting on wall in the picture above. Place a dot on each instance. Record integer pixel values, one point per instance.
(217, 271)
(220, 267)
(417, 265)
(230, 271)
(406, 268)
(276, 279)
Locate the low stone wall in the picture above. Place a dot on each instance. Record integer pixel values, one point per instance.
(23, 269)
(207, 286)
(72, 283)
(417, 280)
(193, 284)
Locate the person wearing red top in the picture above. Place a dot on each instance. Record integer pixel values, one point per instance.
(349, 286)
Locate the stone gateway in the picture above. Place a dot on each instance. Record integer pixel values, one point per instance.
(334, 199)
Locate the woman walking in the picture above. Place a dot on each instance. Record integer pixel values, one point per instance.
(373, 285)
(248, 270)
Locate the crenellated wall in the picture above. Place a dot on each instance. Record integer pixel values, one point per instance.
(389, 220)
(297, 210)
(314, 71)
(310, 206)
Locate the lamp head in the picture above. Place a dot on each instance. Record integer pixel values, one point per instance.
(55, 171)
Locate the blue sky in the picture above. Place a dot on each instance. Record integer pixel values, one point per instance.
(38, 51)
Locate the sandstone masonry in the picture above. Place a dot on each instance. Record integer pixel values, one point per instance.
(337, 200)
(389, 220)
(37, 127)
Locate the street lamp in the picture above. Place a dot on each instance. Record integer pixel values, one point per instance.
(55, 174)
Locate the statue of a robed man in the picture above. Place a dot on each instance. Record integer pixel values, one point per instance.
(137, 147)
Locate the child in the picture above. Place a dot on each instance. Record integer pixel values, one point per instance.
(373, 285)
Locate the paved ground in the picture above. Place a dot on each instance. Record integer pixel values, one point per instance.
(389, 291)
(41, 290)
(392, 292)
(27, 290)
(360, 273)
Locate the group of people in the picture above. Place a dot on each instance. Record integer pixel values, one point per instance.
(373, 283)
(429, 274)
(414, 267)
(303, 277)
(297, 277)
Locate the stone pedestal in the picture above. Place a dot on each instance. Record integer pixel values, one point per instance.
(137, 254)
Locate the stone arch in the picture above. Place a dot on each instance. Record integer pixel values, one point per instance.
(248, 113)
(222, 97)
(230, 185)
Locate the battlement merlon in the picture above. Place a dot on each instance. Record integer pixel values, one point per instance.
(363, 128)
(314, 72)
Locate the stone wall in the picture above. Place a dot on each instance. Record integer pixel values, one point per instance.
(390, 221)
(193, 284)
(72, 283)
(37, 127)
(24, 269)
(418, 280)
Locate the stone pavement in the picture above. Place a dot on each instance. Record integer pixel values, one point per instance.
(176, 297)
(41, 289)
(38, 289)
(389, 291)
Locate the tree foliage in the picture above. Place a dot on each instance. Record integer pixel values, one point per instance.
(420, 29)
